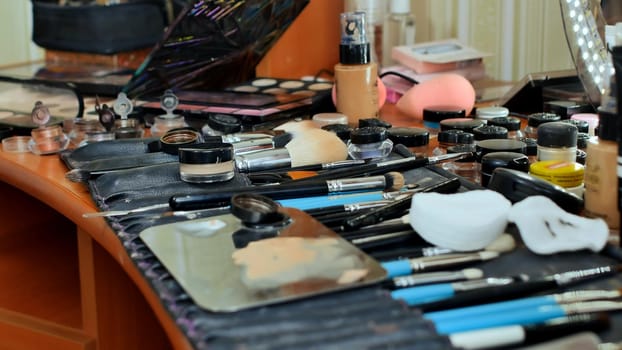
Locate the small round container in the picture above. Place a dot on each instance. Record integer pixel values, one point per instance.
(163, 124)
(83, 126)
(221, 124)
(370, 142)
(509, 160)
(487, 113)
(561, 173)
(499, 145)
(582, 125)
(48, 140)
(206, 162)
(97, 136)
(582, 140)
(433, 115)
(450, 138)
(557, 141)
(16, 144)
(464, 124)
(174, 139)
(416, 139)
(512, 124)
(591, 119)
(322, 119)
(374, 122)
(342, 130)
(129, 128)
(534, 120)
(488, 132)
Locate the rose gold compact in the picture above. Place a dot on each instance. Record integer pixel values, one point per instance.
(46, 139)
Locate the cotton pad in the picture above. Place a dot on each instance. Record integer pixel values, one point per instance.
(464, 221)
(546, 228)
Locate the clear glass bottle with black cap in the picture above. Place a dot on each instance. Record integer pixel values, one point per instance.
(557, 141)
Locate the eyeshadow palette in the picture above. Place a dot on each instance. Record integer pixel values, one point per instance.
(256, 101)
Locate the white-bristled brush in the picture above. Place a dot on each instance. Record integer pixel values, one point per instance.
(312, 146)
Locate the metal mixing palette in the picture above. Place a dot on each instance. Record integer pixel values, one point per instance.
(198, 254)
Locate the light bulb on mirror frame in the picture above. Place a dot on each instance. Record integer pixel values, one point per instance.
(584, 22)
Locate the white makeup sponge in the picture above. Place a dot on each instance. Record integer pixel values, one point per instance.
(464, 221)
(546, 228)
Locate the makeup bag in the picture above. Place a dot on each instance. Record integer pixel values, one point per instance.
(98, 29)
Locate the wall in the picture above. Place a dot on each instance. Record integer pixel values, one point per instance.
(15, 29)
(524, 36)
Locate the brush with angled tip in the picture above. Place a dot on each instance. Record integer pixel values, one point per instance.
(313, 146)
(210, 198)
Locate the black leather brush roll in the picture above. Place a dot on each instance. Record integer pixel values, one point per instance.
(98, 29)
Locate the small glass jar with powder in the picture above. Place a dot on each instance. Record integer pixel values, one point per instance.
(83, 126)
(370, 142)
(557, 141)
(221, 124)
(451, 138)
(534, 120)
(591, 119)
(206, 162)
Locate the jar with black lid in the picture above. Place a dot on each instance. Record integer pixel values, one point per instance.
(557, 141)
(221, 124)
(416, 139)
(534, 120)
(370, 142)
(512, 124)
(488, 132)
(451, 138)
(508, 160)
(433, 115)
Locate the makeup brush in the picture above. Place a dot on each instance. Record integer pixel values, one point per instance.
(502, 244)
(401, 164)
(208, 198)
(403, 267)
(521, 289)
(512, 335)
(526, 316)
(413, 296)
(433, 277)
(521, 303)
(313, 146)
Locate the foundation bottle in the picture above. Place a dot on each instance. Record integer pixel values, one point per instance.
(600, 172)
(356, 75)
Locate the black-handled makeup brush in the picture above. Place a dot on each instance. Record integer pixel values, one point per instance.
(396, 208)
(209, 198)
(520, 289)
(401, 164)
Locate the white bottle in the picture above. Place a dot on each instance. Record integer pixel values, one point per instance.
(399, 29)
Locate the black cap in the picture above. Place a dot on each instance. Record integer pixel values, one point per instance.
(537, 119)
(224, 123)
(438, 113)
(342, 130)
(206, 153)
(557, 134)
(369, 134)
(499, 145)
(374, 122)
(532, 146)
(455, 137)
(409, 137)
(509, 160)
(465, 124)
(582, 139)
(510, 123)
(582, 125)
(487, 132)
